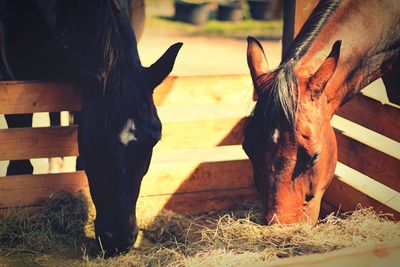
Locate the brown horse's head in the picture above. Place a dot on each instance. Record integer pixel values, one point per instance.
(288, 138)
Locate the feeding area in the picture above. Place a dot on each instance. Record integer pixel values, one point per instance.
(198, 204)
(61, 234)
(204, 210)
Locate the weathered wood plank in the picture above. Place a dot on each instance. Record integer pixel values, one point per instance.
(342, 197)
(371, 162)
(31, 190)
(25, 143)
(183, 91)
(149, 207)
(195, 202)
(387, 255)
(195, 177)
(366, 136)
(374, 115)
(211, 126)
(374, 189)
(201, 133)
(199, 155)
(22, 143)
(17, 97)
(182, 179)
(205, 111)
(162, 179)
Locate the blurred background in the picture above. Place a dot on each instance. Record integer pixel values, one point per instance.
(213, 32)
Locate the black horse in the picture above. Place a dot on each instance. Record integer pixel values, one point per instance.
(90, 44)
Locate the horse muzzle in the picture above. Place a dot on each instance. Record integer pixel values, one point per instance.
(117, 241)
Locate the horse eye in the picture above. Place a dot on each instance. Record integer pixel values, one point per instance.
(313, 160)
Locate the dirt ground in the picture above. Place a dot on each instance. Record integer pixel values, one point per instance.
(205, 55)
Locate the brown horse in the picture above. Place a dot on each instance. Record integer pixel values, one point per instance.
(343, 46)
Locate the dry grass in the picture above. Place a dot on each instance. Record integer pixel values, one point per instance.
(61, 221)
(55, 236)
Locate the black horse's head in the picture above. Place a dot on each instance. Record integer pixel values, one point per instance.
(116, 139)
(118, 125)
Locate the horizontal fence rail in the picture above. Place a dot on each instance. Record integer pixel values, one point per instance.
(199, 156)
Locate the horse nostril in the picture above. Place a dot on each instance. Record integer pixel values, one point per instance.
(309, 197)
(108, 234)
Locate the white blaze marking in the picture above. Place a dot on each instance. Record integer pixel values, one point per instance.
(126, 134)
(275, 136)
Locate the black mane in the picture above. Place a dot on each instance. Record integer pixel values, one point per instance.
(310, 29)
(103, 51)
(278, 101)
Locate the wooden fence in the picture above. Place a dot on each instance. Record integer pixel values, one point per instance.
(199, 164)
(200, 159)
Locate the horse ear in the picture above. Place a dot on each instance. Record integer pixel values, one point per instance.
(321, 77)
(157, 72)
(256, 60)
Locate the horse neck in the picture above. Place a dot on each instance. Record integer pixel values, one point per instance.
(370, 45)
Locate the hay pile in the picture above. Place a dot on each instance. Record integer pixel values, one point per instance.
(58, 228)
(215, 239)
